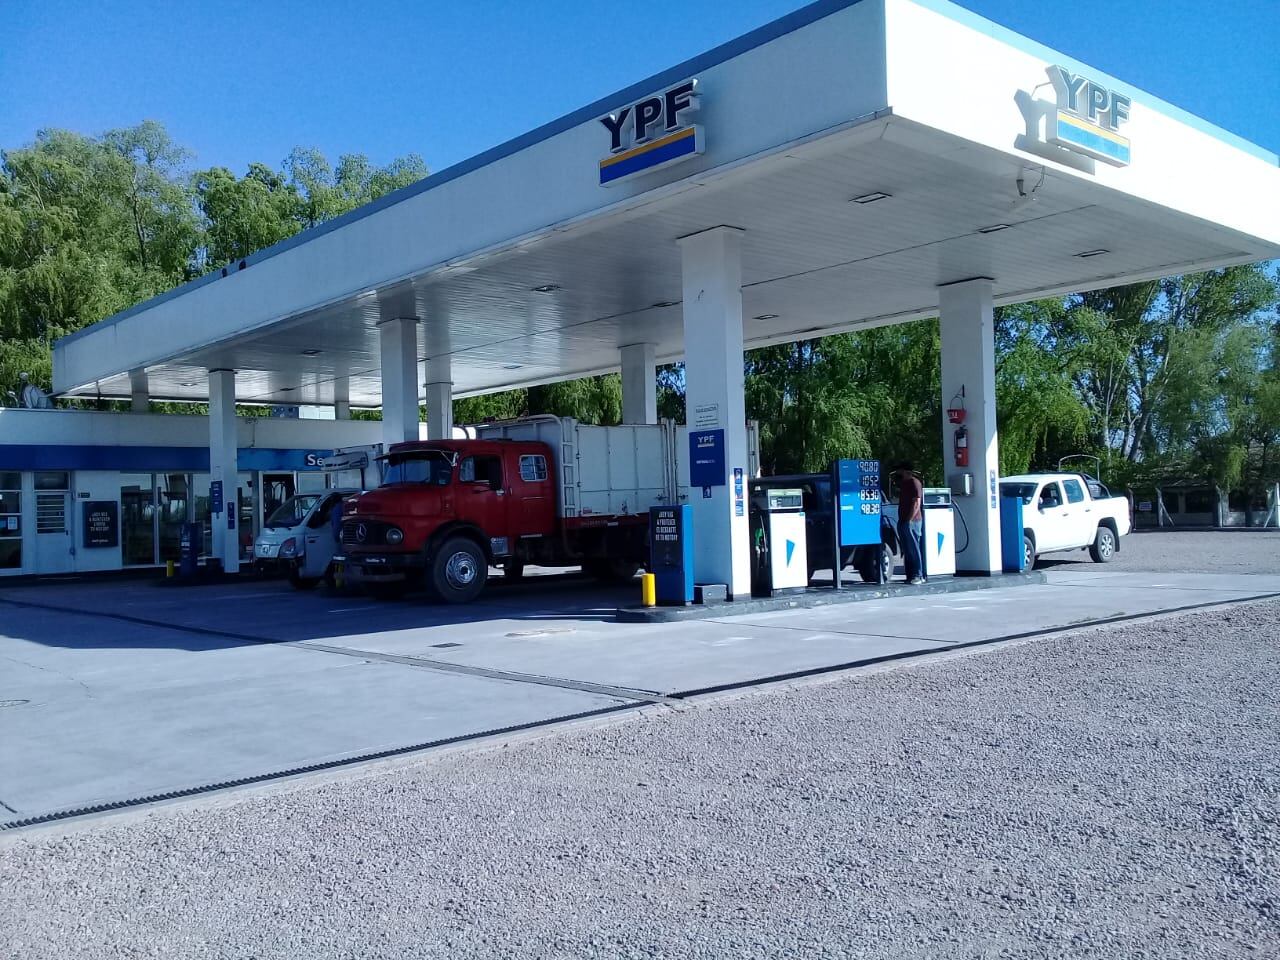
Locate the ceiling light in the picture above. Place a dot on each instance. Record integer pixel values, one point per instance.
(287, 389)
(767, 316)
(994, 228)
(547, 288)
(512, 366)
(311, 353)
(871, 197)
(666, 303)
(1092, 253)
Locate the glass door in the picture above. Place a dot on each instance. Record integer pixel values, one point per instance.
(10, 521)
(137, 519)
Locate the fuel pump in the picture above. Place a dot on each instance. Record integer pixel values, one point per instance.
(780, 553)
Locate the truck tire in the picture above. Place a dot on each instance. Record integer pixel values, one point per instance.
(876, 565)
(1028, 553)
(1104, 545)
(457, 571)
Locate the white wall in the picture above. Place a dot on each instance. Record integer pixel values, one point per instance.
(962, 78)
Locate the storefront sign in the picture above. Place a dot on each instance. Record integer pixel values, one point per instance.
(101, 523)
(706, 459)
(652, 134)
(706, 416)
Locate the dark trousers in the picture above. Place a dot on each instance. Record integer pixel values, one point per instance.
(909, 537)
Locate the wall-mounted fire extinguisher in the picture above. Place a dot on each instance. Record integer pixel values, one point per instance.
(962, 446)
(955, 413)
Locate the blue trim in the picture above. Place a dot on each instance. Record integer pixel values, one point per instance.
(684, 147)
(1103, 146)
(1016, 40)
(726, 51)
(143, 459)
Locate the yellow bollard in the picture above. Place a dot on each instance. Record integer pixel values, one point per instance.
(168, 568)
(648, 590)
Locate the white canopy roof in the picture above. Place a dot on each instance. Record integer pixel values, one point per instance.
(524, 269)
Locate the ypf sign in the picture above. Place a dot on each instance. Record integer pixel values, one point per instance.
(652, 134)
(1081, 125)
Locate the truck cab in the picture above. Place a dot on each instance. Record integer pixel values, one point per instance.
(447, 510)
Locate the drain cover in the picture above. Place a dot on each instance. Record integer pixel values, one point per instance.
(445, 646)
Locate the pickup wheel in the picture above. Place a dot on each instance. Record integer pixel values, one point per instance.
(1104, 545)
(876, 564)
(458, 571)
(1028, 553)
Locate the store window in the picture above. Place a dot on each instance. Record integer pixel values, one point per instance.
(172, 492)
(10, 520)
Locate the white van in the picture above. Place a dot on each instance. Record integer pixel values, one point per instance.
(300, 536)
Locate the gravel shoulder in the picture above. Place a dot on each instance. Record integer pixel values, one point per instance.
(1112, 793)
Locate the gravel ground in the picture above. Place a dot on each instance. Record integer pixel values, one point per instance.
(1234, 551)
(1107, 794)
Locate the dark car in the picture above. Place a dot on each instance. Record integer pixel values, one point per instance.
(873, 562)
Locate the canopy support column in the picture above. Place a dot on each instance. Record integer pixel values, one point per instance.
(969, 381)
(714, 403)
(398, 340)
(639, 383)
(223, 468)
(439, 390)
(139, 392)
(342, 398)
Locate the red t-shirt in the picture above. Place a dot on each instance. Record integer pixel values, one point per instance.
(910, 497)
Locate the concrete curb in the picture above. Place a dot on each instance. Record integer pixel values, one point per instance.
(821, 597)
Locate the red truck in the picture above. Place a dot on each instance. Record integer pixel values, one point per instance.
(540, 490)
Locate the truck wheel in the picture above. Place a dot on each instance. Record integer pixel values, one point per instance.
(1104, 545)
(1028, 554)
(458, 571)
(302, 583)
(877, 565)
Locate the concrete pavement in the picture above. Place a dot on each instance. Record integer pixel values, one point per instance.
(113, 691)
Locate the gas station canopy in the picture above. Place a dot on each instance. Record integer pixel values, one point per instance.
(870, 151)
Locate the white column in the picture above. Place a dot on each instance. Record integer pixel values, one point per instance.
(969, 362)
(341, 398)
(712, 283)
(439, 397)
(139, 395)
(223, 467)
(399, 347)
(639, 384)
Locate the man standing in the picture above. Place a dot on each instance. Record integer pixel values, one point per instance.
(910, 501)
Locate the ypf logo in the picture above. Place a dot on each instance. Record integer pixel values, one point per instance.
(652, 133)
(1084, 121)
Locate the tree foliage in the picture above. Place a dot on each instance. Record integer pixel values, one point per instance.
(1177, 376)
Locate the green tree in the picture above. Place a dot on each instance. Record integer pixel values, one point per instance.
(245, 215)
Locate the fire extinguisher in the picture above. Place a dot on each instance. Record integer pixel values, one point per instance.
(962, 446)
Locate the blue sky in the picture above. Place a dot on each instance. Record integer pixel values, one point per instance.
(239, 81)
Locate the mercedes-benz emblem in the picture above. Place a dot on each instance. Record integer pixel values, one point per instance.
(362, 532)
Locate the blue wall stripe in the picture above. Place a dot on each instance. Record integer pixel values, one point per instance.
(33, 456)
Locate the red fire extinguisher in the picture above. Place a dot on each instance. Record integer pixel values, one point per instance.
(962, 446)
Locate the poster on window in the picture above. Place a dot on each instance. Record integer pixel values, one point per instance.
(101, 523)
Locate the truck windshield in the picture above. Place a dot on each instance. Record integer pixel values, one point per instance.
(1023, 491)
(293, 511)
(430, 466)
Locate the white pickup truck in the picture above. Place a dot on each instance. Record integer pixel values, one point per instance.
(1067, 511)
